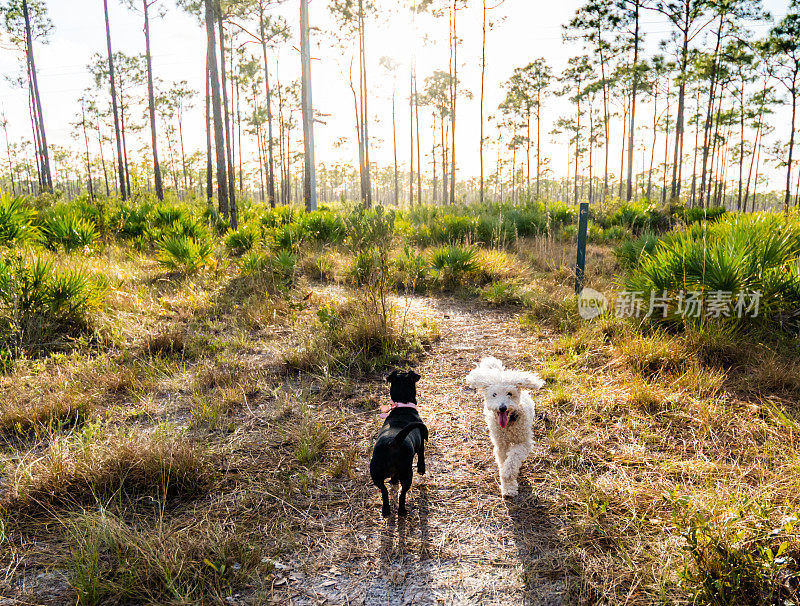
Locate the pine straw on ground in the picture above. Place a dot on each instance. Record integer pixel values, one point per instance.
(461, 543)
(614, 434)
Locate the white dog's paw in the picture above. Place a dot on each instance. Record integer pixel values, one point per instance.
(509, 490)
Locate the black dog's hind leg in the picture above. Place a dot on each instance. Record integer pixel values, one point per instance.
(385, 509)
(421, 459)
(405, 484)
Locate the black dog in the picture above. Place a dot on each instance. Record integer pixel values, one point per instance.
(403, 434)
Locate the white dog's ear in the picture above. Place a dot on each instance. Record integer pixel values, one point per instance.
(481, 378)
(490, 362)
(524, 380)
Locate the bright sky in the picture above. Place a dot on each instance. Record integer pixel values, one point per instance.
(523, 30)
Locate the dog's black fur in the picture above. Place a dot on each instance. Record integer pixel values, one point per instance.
(403, 434)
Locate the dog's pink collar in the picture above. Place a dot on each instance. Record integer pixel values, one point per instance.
(386, 409)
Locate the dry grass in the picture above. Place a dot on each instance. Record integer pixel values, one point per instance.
(356, 337)
(113, 561)
(635, 424)
(96, 466)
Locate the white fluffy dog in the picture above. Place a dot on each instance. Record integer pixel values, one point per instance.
(509, 412)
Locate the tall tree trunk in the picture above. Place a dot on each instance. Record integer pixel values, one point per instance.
(364, 106)
(577, 141)
(419, 154)
(124, 141)
(793, 93)
(37, 140)
(653, 147)
(270, 157)
(151, 100)
(756, 142)
(102, 159)
(483, 72)
(10, 163)
(183, 150)
(741, 146)
(411, 128)
(47, 179)
(677, 160)
(209, 162)
(394, 147)
(86, 142)
(226, 120)
(216, 103)
(310, 172)
(631, 130)
(622, 154)
(454, 95)
(528, 155)
(121, 172)
(538, 149)
(445, 199)
(605, 117)
(696, 143)
(434, 182)
(710, 113)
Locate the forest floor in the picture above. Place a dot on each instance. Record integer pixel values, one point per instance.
(462, 543)
(183, 457)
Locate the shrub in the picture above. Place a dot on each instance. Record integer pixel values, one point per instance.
(630, 252)
(453, 264)
(184, 254)
(366, 264)
(737, 255)
(63, 229)
(323, 226)
(41, 306)
(616, 232)
(695, 215)
(283, 264)
(133, 221)
(240, 241)
(411, 270)
(16, 220)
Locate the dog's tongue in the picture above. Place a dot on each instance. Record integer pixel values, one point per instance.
(502, 418)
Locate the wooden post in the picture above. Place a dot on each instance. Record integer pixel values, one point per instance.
(580, 265)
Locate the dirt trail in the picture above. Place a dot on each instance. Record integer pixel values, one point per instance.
(461, 543)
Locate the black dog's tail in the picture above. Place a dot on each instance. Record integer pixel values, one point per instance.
(401, 435)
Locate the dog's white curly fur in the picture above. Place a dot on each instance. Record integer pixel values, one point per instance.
(507, 391)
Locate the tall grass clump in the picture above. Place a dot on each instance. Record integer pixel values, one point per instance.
(113, 561)
(43, 307)
(86, 467)
(353, 338)
(737, 254)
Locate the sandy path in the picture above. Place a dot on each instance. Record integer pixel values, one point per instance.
(462, 543)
